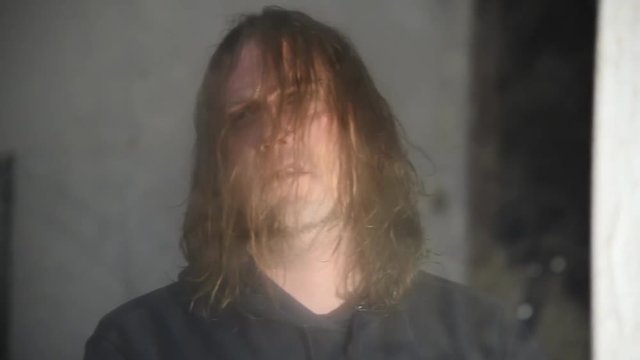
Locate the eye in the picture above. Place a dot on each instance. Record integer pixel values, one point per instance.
(243, 116)
(240, 117)
(246, 125)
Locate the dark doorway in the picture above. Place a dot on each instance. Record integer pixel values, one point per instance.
(531, 163)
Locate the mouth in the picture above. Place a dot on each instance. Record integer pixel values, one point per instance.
(291, 170)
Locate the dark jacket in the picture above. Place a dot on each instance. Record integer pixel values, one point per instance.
(437, 319)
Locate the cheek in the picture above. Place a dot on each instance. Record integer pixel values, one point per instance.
(236, 153)
(320, 133)
(249, 135)
(244, 142)
(239, 163)
(324, 145)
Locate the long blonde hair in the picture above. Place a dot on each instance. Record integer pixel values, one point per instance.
(378, 186)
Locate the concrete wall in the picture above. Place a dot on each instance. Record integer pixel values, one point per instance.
(96, 99)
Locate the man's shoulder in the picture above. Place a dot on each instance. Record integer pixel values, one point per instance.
(160, 301)
(139, 328)
(435, 304)
(436, 290)
(463, 318)
(149, 313)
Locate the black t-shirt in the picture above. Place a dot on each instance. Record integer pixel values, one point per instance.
(437, 319)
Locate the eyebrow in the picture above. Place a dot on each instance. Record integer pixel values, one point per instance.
(240, 105)
(241, 101)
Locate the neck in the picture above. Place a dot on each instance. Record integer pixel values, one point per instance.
(312, 271)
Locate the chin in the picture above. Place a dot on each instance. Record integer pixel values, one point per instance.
(304, 215)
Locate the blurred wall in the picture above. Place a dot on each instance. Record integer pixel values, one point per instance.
(95, 102)
(616, 184)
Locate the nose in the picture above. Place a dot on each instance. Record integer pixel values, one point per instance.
(285, 136)
(283, 139)
(279, 133)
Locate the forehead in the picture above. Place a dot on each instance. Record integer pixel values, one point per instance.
(250, 76)
(246, 76)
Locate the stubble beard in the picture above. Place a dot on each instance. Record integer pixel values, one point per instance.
(301, 217)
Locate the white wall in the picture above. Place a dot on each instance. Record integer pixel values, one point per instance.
(616, 187)
(95, 101)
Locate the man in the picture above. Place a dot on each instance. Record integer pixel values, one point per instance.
(301, 235)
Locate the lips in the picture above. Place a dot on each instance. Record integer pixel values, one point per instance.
(292, 170)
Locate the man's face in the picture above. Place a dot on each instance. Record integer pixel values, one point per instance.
(301, 181)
